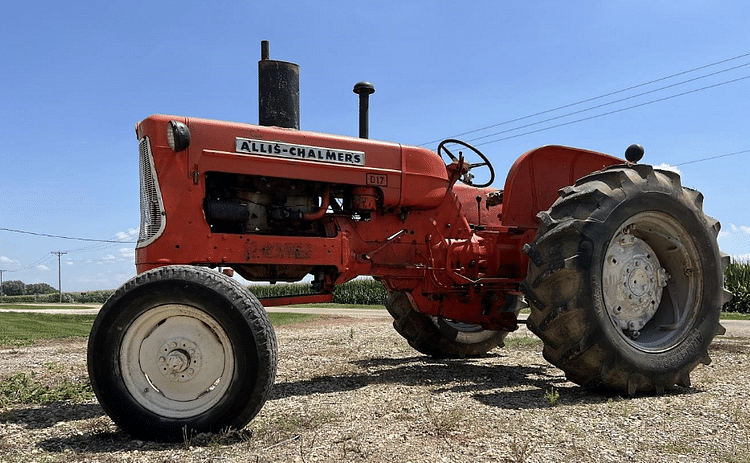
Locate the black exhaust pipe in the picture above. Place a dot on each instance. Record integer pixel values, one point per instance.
(278, 91)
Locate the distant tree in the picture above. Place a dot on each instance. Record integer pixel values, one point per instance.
(14, 288)
(40, 288)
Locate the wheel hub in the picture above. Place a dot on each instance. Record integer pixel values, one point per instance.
(178, 355)
(633, 282)
(179, 359)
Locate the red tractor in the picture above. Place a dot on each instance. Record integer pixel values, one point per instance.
(616, 260)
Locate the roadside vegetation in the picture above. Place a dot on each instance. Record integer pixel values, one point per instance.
(364, 292)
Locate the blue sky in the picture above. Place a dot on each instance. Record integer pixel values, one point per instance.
(77, 76)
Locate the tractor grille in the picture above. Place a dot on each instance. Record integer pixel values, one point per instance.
(152, 208)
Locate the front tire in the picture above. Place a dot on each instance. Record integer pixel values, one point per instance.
(181, 349)
(439, 337)
(625, 281)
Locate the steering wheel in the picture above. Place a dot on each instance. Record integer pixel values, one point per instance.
(467, 177)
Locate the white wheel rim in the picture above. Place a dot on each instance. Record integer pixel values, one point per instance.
(466, 333)
(674, 265)
(176, 361)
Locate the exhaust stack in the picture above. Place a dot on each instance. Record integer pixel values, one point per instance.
(278, 91)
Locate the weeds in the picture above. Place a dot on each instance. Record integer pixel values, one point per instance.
(444, 422)
(520, 450)
(286, 427)
(552, 396)
(25, 388)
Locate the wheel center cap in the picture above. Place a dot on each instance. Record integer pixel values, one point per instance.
(179, 359)
(633, 282)
(639, 276)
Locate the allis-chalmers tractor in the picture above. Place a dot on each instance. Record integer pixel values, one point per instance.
(617, 261)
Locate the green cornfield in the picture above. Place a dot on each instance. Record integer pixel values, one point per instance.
(737, 280)
(362, 291)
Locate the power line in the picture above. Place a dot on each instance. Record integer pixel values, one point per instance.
(713, 157)
(609, 103)
(64, 237)
(37, 263)
(596, 116)
(510, 121)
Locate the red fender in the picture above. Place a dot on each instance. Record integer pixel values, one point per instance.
(535, 178)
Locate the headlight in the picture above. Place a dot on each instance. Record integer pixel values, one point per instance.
(178, 136)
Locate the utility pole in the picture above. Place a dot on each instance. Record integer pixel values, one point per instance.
(1, 284)
(59, 271)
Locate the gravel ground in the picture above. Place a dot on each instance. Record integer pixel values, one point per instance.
(350, 389)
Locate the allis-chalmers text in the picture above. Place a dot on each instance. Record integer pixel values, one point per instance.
(312, 153)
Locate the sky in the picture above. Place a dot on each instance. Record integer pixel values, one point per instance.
(77, 76)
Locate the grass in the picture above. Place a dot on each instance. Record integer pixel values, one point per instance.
(32, 307)
(18, 329)
(25, 328)
(281, 318)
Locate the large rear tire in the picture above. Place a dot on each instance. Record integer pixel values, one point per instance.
(625, 281)
(439, 337)
(181, 349)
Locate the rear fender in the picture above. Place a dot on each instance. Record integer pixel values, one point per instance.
(535, 178)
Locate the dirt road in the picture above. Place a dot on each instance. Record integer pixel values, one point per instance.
(351, 389)
(735, 328)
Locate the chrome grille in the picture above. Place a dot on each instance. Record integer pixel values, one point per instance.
(152, 207)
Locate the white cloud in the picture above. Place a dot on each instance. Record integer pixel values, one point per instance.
(43, 268)
(127, 235)
(665, 166)
(127, 253)
(8, 260)
(735, 241)
(739, 229)
(109, 257)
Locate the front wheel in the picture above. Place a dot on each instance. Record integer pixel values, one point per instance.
(440, 337)
(625, 281)
(181, 349)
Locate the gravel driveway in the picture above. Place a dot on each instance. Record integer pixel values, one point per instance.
(351, 389)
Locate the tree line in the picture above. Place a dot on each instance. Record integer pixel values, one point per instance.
(19, 288)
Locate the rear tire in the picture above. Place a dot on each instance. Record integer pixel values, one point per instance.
(625, 281)
(439, 337)
(181, 349)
